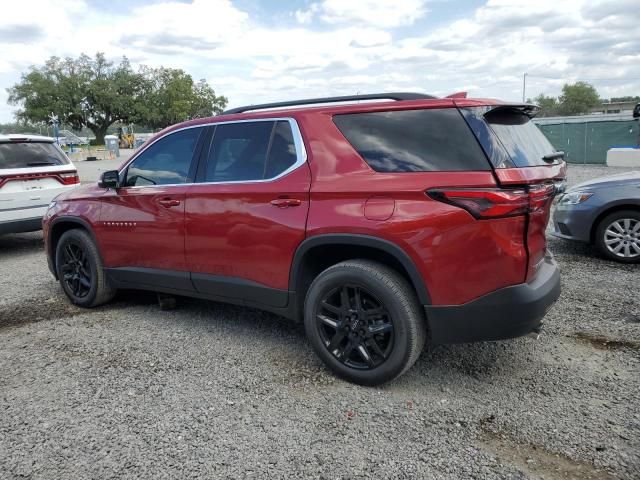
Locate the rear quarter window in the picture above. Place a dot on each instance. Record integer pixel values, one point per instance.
(413, 140)
(30, 154)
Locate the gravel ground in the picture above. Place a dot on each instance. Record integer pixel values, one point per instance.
(209, 390)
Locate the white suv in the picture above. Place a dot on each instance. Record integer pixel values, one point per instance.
(33, 171)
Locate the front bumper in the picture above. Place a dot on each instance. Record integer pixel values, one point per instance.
(573, 222)
(506, 313)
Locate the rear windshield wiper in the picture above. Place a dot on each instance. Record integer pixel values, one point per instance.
(550, 157)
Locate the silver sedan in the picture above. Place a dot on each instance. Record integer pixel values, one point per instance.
(604, 212)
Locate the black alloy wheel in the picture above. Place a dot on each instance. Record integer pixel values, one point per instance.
(355, 327)
(364, 321)
(79, 269)
(76, 269)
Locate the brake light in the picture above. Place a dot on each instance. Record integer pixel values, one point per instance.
(70, 178)
(485, 203)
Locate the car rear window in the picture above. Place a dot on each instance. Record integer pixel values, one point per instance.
(30, 154)
(413, 140)
(523, 141)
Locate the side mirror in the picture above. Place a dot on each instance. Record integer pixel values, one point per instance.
(110, 179)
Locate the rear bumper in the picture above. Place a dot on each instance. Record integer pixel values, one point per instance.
(21, 225)
(506, 313)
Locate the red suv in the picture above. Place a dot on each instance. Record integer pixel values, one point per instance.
(384, 221)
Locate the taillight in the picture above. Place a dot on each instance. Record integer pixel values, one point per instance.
(70, 178)
(485, 203)
(65, 178)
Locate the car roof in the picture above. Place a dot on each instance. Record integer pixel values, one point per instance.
(339, 105)
(20, 137)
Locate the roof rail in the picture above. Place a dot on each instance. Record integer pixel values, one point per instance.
(347, 98)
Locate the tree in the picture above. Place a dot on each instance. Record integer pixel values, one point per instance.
(95, 93)
(548, 105)
(577, 99)
(81, 92)
(627, 98)
(172, 97)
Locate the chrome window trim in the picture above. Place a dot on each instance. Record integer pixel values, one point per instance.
(301, 152)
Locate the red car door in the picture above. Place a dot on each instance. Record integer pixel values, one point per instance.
(141, 228)
(247, 214)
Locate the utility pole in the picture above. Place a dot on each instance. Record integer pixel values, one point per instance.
(524, 87)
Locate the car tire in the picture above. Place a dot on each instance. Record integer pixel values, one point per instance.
(619, 230)
(80, 271)
(364, 321)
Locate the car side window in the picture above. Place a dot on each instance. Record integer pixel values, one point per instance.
(165, 162)
(248, 151)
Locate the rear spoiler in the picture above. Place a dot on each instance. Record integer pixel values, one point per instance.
(528, 109)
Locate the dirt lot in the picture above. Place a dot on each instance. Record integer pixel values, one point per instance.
(206, 390)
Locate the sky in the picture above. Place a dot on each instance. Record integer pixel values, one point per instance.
(256, 51)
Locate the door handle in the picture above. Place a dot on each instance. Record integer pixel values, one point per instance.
(169, 202)
(286, 202)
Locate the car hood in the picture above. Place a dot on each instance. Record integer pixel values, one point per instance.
(630, 178)
(90, 190)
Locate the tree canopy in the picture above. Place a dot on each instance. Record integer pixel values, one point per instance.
(95, 93)
(576, 99)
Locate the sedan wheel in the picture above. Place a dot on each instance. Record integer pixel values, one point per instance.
(617, 236)
(622, 237)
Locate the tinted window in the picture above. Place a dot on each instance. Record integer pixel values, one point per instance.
(524, 142)
(413, 140)
(282, 154)
(166, 161)
(248, 151)
(30, 154)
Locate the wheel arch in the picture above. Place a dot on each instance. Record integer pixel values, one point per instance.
(608, 211)
(58, 227)
(319, 252)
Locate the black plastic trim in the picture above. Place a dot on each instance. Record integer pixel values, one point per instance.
(399, 96)
(66, 219)
(132, 277)
(234, 287)
(21, 226)
(364, 241)
(506, 313)
(217, 288)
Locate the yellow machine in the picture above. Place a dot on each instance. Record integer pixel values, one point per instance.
(126, 137)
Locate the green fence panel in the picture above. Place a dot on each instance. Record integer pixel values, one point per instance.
(588, 142)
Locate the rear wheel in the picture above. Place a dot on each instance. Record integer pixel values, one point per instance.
(364, 321)
(618, 236)
(80, 270)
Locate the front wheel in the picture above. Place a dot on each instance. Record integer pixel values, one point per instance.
(618, 236)
(364, 321)
(80, 271)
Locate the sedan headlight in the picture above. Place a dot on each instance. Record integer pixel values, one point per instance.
(574, 198)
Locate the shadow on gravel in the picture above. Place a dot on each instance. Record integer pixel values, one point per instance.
(13, 243)
(38, 309)
(604, 343)
(536, 461)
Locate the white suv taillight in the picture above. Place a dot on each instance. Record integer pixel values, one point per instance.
(69, 178)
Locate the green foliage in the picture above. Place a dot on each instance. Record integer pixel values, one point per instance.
(576, 99)
(628, 98)
(94, 93)
(548, 105)
(172, 96)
